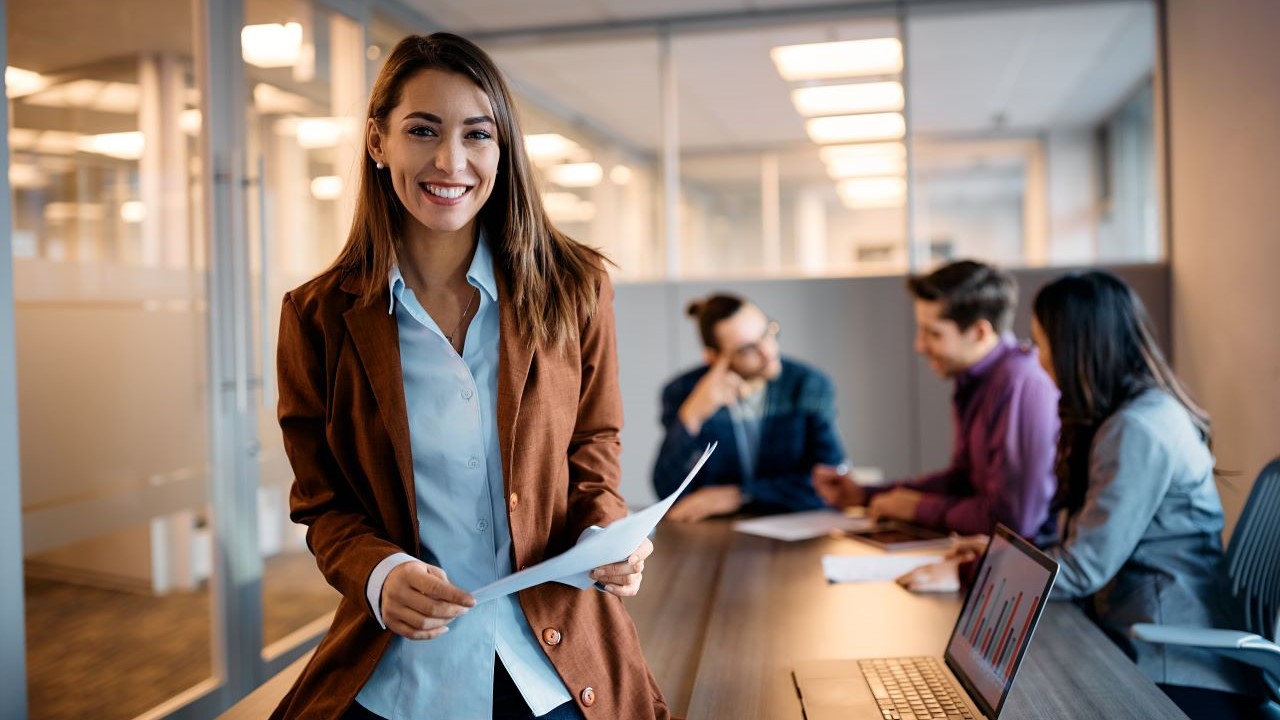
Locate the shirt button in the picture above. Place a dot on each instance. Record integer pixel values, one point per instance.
(551, 636)
(513, 502)
(588, 696)
(482, 525)
(466, 394)
(473, 463)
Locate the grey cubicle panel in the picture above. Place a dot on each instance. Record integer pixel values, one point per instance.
(893, 413)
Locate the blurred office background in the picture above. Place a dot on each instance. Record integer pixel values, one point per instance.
(175, 166)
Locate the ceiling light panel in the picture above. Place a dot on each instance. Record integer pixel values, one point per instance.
(856, 128)
(844, 59)
(848, 99)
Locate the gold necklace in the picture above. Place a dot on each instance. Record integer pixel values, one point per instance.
(463, 319)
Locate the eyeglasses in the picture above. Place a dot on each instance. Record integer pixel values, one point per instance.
(771, 332)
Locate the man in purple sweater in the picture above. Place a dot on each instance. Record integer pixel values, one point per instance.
(1004, 409)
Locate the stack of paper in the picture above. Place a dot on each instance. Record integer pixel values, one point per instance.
(872, 568)
(609, 545)
(802, 525)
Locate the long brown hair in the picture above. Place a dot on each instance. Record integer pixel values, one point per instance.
(551, 276)
(1103, 354)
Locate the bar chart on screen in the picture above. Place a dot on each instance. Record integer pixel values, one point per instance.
(997, 624)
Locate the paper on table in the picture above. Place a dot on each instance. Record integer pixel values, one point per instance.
(608, 545)
(802, 525)
(870, 568)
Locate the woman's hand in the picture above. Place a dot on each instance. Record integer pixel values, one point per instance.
(623, 578)
(419, 602)
(969, 547)
(938, 577)
(945, 576)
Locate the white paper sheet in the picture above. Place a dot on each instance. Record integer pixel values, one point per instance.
(608, 545)
(802, 525)
(871, 568)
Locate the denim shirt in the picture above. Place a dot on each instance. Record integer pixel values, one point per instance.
(462, 521)
(1146, 545)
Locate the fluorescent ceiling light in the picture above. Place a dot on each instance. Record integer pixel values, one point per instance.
(56, 211)
(319, 132)
(575, 175)
(849, 58)
(271, 100)
(855, 128)
(545, 148)
(869, 166)
(326, 187)
(133, 211)
(114, 97)
(124, 145)
(271, 45)
(846, 99)
(190, 120)
(864, 193)
(19, 82)
(620, 174)
(25, 176)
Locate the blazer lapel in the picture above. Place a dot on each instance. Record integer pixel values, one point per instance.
(377, 340)
(515, 356)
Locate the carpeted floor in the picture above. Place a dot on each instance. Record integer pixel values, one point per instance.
(108, 655)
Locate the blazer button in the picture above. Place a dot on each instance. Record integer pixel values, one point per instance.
(513, 502)
(551, 636)
(588, 696)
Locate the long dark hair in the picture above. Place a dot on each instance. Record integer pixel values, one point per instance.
(1103, 355)
(551, 275)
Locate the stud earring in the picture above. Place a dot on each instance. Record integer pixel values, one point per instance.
(379, 165)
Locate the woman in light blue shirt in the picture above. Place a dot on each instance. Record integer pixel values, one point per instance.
(1142, 540)
(450, 408)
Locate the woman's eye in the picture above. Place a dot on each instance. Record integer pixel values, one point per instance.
(480, 135)
(422, 131)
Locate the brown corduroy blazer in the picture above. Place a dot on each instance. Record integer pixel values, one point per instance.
(346, 432)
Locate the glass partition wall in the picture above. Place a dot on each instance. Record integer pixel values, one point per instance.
(162, 575)
(871, 139)
(110, 278)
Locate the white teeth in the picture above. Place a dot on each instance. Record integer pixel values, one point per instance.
(449, 193)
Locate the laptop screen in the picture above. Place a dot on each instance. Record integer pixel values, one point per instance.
(1010, 589)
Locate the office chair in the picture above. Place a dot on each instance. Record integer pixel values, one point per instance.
(1253, 569)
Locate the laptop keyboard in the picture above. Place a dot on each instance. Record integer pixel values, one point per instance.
(913, 689)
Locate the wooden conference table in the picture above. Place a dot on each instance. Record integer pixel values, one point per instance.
(724, 617)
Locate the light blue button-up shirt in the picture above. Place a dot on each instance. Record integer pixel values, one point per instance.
(462, 521)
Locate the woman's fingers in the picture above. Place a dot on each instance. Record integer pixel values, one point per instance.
(418, 601)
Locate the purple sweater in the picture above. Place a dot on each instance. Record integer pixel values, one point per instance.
(1005, 414)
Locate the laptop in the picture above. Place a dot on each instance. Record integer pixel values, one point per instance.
(973, 678)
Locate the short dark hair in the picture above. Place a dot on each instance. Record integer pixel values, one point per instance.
(969, 291)
(709, 311)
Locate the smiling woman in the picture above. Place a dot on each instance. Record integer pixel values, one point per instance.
(449, 233)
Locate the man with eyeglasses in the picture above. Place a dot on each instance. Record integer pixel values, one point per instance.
(773, 417)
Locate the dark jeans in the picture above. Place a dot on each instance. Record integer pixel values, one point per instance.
(508, 704)
(1205, 704)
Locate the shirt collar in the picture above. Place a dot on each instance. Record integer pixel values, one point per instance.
(981, 368)
(479, 274)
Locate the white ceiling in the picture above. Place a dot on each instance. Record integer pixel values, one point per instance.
(490, 15)
(997, 72)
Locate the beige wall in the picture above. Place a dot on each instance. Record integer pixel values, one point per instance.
(1224, 124)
